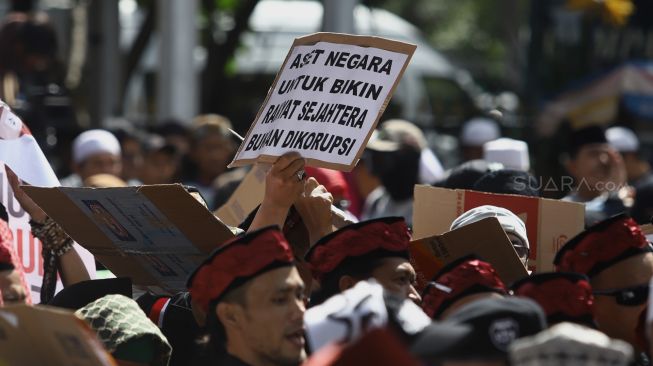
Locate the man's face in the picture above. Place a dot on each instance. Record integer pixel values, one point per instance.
(396, 274)
(212, 154)
(596, 163)
(272, 325)
(621, 320)
(11, 287)
(103, 163)
(159, 168)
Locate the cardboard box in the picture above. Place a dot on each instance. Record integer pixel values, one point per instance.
(549, 223)
(157, 235)
(40, 335)
(485, 238)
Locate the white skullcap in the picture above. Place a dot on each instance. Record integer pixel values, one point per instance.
(513, 154)
(94, 142)
(622, 139)
(570, 344)
(478, 131)
(510, 222)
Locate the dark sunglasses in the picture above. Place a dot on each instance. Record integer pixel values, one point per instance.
(629, 296)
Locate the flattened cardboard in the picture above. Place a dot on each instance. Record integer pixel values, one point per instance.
(41, 335)
(246, 197)
(485, 238)
(363, 41)
(549, 223)
(154, 234)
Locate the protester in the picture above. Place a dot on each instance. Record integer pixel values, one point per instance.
(642, 210)
(564, 297)
(254, 300)
(94, 152)
(466, 175)
(475, 133)
(514, 227)
(376, 248)
(13, 284)
(160, 161)
(211, 149)
(496, 323)
(126, 332)
(624, 140)
(460, 282)
(400, 158)
(618, 260)
(599, 174)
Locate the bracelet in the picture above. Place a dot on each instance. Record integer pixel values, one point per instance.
(54, 239)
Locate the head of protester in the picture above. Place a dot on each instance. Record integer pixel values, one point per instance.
(618, 260)
(624, 140)
(126, 332)
(513, 226)
(564, 297)
(376, 248)
(496, 323)
(595, 166)
(460, 282)
(254, 300)
(465, 175)
(475, 133)
(398, 156)
(96, 152)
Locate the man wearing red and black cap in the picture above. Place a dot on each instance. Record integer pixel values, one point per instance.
(617, 258)
(460, 282)
(376, 248)
(254, 300)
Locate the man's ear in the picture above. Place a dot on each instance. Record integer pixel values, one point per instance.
(229, 314)
(346, 282)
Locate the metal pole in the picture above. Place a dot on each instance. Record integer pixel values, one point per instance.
(177, 86)
(339, 16)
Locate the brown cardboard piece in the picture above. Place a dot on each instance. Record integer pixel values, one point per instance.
(485, 238)
(246, 197)
(156, 235)
(348, 39)
(41, 335)
(549, 223)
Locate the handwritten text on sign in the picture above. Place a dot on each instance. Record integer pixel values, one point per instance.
(324, 103)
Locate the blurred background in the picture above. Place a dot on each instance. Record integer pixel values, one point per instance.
(549, 66)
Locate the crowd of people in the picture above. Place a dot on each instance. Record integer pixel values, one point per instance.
(291, 288)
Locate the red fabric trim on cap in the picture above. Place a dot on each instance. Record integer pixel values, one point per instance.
(560, 296)
(241, 258)
(354, 242)
(602, 247)
(157, 309)
(460, 279)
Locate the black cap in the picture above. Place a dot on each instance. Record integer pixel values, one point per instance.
(585, 136)
(464, 176)
(508, 181)
(496, 323)
(83, 293)
(442, 341)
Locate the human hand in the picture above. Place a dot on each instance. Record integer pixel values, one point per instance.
(282, 184)
(35, 212)
(314, 206)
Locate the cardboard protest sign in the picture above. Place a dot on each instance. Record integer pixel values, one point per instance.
(40, 335)
(647, 230)
(549, 223)
(157, 235)
(246, 197)
(484, 238)
(326, 100)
